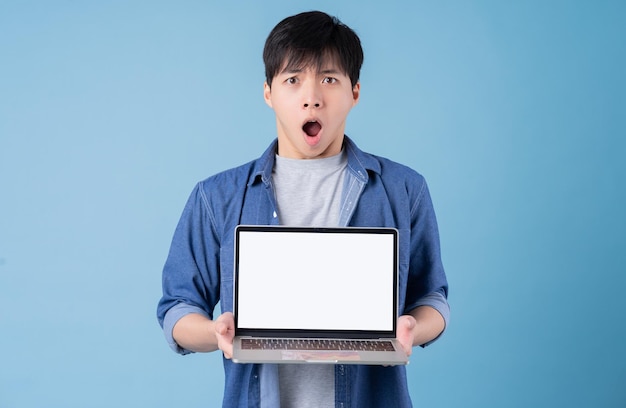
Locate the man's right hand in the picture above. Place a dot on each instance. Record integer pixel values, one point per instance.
(224, 332)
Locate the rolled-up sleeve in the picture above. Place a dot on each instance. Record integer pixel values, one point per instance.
(437, 301)
(172, 316)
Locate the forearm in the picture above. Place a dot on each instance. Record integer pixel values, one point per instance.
(429, 324)
(195, 332)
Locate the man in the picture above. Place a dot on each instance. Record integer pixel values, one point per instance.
(311, 175)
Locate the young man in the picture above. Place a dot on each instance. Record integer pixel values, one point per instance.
(311, 175)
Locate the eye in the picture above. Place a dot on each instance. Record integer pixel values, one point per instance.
(329, 80)
(291, 80)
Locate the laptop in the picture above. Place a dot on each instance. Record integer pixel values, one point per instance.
(316, 295)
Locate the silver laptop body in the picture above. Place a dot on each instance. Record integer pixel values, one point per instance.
(316, 295)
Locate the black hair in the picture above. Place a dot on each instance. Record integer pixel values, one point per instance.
(309, 39)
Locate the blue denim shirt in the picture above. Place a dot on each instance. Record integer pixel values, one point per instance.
(377, 192)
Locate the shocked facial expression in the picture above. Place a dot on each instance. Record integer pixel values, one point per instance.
(311, 108)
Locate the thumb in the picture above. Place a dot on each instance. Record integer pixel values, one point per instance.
(221, 327)
(409, 322)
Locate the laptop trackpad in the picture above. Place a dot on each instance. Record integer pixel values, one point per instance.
(320, 356)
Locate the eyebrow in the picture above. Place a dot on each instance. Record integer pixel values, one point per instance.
(327, 71)
(291, 71)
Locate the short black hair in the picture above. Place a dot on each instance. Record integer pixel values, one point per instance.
(311, 38)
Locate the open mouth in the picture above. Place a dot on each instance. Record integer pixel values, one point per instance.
(312, 128)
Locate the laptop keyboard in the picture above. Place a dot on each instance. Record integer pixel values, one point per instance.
(316, 344)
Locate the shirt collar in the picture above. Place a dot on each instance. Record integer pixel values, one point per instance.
(359, 163)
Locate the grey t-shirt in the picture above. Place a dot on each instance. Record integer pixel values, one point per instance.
(308, 192)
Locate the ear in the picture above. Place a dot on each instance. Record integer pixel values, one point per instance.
(267, 94)
(356, 93)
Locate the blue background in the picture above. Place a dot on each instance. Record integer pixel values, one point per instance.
(514, 111)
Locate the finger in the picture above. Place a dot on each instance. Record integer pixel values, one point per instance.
(227, 349)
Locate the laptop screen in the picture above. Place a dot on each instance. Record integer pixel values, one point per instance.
(315, 279)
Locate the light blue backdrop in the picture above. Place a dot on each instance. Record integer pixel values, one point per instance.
(514, 111)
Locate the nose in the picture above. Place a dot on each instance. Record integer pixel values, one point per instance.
(312, 97)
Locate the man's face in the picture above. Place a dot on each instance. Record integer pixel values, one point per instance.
(311, 108)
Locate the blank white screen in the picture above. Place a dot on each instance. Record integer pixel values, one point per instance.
(315, 281)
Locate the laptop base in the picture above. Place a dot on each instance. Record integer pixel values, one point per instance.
(241, 354)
